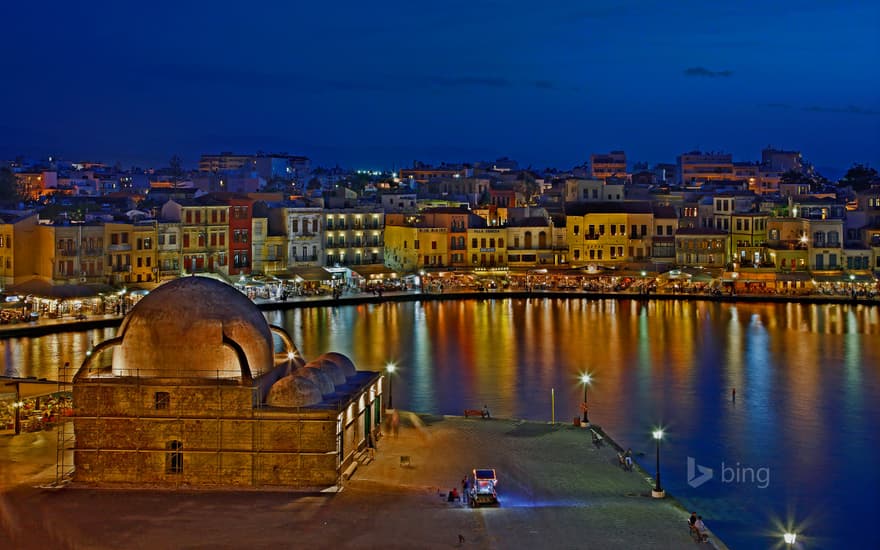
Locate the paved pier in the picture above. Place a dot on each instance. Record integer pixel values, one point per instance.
(556, 491)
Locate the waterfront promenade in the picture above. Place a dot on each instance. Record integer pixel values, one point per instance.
(49, 326)
(556, 491)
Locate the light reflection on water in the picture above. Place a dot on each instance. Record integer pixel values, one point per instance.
(807, 406)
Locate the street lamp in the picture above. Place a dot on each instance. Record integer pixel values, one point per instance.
(852, 285)
(585, 380)
(658, 491)
(790, 539)
(390, 367)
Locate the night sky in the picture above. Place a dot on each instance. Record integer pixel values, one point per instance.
(379, 84)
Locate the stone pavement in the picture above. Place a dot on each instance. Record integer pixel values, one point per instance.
(556, 491)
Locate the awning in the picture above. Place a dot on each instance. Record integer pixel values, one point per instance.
(30, 387)
(315, 273)
(39, 287)
(373, 271)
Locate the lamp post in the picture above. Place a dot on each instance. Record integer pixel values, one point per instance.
(585, 380)
(390, 367)
(658, 490)
(852, 285)
(790, 539)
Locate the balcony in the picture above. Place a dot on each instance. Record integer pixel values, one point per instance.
(93, 252)
(68, 252)
(308, 258)
(121, 268)
(119, 247)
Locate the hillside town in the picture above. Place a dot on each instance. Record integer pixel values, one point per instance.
(78, 238)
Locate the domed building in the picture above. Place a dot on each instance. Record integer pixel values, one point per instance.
(198, 390)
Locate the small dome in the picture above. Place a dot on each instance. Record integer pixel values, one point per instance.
(194, 327)
(331, 369)
(341, 360)
(321, 380)
(293, 391)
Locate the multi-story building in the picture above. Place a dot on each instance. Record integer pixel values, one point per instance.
(609, 232)
(748, 238)
(530, 241)
(781, 161)
(303, 229)
(223, 162)
(71, 253)
(353, 236)
(788, 243)
(487, 247)
(33, 185)
(701, 247)
(168, 250)
(424, 175)
(663, 242)
(131, 252)
(412, 247)
(611, 165)
(698, 168)
(239, 231)
(204, 233)
(595, 190)
(20, 250)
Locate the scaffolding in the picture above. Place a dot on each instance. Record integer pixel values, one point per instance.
(65, 442)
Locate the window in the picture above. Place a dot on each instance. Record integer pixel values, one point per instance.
(174, 457)
(416, 244)
(433, 245)
(613, 229)
(644, 230)
(172, 240)
(162, 400)
(577, 230)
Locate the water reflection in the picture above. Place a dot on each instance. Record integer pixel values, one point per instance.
(806, 378)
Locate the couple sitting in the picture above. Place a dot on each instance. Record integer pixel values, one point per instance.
(698, 528)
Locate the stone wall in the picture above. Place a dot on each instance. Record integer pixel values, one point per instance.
(122, 438)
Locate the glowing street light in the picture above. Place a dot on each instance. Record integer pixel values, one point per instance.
(789, 538)
(658, 490)
(585, 380)
(390, 367)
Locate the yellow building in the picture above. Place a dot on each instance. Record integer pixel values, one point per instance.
(530, 242)
(204, 233)
(487, 247)
(409, 248)
(19, 248)
(748, 238)
(609, 233)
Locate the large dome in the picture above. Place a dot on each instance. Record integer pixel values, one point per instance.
(194, 327)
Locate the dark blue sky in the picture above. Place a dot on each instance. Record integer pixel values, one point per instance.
(378, 84)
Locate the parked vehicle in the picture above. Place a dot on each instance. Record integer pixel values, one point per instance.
(482, 488)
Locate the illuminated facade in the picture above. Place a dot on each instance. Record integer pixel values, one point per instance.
(609, 233)
(611, 165)
(353, 236)
(218, 399)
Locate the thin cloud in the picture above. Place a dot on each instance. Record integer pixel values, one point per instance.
(706, 73)
(849, 109)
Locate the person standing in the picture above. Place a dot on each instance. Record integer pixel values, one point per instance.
(464, 488)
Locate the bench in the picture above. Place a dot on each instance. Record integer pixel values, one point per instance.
(404, 461)
(598, 440)
(473, 412)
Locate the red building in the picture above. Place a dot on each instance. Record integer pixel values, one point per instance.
(240, 229)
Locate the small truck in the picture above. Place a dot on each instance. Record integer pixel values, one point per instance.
(482, 488)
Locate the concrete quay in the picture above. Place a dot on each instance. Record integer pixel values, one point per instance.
(556, 490)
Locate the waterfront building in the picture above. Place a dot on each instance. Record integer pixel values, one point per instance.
(70, 253)
(204, 233)
(218, 399)
(487, 247)
(131, 252)
(530, 241)
(663, 241)
(701, 247)
(302, 230)
(748, 239)
(20, 250)
(353, 236)
(168, 249)
(609, 233)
